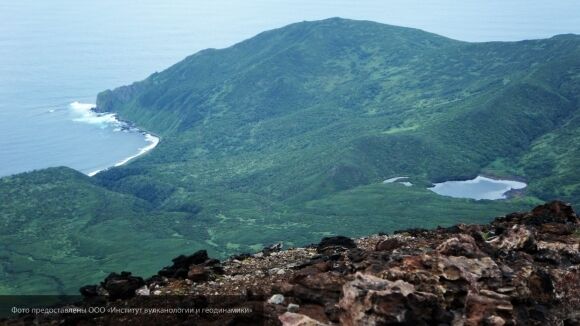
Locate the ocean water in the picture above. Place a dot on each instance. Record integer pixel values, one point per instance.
(55, 56)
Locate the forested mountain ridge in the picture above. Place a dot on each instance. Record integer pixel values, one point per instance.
(344, 103)
(287, 137)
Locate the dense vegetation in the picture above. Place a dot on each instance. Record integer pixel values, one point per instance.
(287, 137)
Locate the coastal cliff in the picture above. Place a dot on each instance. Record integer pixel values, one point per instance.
(521, 269)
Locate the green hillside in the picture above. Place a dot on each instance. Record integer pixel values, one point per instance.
(317, 107)
(58, 230)
(287, 137)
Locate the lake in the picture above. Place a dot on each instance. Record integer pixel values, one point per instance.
(478, 188)
(57, 55)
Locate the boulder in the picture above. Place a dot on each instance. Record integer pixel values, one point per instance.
(293, 307)
(461, 245)
(320, 288)
(241, 257)
(552, 212)
(294, 319)
(276, 299)
(487, 306)
(369, 300)
(335, 242)
(273, 248)
(198, 257)
(555, 211)
(122, 286)
(389, 244)
(198, 274)
(89, 291)
(356, 255)
(181, 264)
(518, 237)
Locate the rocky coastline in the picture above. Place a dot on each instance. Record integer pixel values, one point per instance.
(521, 269)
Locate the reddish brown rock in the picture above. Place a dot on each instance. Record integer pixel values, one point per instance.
(369, 300)
(294, 319)
(518, 237)
(198, 273)
(461, 245)
(522, 269)
(389, 244)
(487, 306)
(319, 288)
(556, 211)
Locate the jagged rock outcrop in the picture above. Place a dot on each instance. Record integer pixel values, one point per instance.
(521, 269)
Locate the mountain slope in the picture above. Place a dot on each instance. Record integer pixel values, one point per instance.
(319, 107)
(287, 137)
(57, 224)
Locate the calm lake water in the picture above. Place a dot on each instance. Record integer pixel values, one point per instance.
(56, 53)
(478, 188)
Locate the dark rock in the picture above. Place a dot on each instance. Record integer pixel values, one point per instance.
(318, 288)
(198, 257)
(538, 313)
(573, 320)
(548, 256)
(555, 211)
(450, 230)
(556, 228)
(356, 255)
(335, 242)
(541, 285)
(242, 256)
(389, 244)
(156, 280)
(218, 269)
(414, 232)
(122, 286)
(181, 264)
(89, 291)
(552, 212)
(214, 266)
(198, 274)
(273, 248)
(211, 262)
(335, 256)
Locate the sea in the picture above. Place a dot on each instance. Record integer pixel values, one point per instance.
(56, 56)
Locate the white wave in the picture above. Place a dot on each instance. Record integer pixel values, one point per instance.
(78, 106)
(84, 112)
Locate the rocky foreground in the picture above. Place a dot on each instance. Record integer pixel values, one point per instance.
(522, 269)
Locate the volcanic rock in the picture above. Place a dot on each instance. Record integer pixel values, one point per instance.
(521, 269)
(122, 286)
(335, 242)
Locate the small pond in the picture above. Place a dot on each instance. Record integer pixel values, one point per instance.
(399, 180)
(478, 188)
